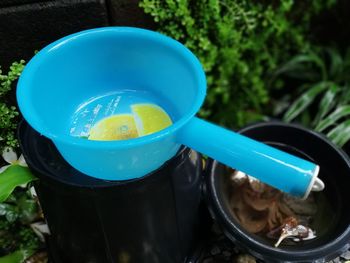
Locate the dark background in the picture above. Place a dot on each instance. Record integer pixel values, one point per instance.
(29, 25)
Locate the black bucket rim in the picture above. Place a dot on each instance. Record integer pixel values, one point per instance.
(261, 250)
(24, 129)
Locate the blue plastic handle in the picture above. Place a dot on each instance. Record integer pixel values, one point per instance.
(281, 170)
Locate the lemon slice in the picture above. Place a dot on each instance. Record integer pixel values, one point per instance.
(150, 118)
(116, 127)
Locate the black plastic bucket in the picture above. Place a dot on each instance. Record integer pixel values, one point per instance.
(335, 172)
(151, 219)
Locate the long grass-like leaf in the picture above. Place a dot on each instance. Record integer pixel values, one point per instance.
(12, 177)
(345, 95)
(340, 135)
(336, 63)
(297, 64)
(331, 119)
(346, 66)
(304, 101)
(327, 102)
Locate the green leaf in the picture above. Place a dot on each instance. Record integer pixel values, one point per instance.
(4, 208)
(345, 95)
(16, 257)
(305, 118)
(304, 101)
(12, 215)
(293, 64)
(9, 211)
(326, 103)
(28, 209)
(12, 177)
(331, 119)
(336, 63)
(340, 135)
(298, 64)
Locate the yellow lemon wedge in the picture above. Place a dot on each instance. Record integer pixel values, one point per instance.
(116, 127)
(150, 118)
(144, 120)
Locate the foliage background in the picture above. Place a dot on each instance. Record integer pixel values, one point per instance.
(324, 92)
(8, 110)
(17, 209)
(239, 43)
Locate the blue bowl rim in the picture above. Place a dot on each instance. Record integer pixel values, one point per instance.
(29, 71)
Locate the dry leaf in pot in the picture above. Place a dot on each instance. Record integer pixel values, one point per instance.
(268, 212)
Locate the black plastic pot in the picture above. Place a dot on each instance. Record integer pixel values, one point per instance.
(335, 172)
(151, 219)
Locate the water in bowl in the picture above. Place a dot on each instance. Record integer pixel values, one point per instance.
(121, 115)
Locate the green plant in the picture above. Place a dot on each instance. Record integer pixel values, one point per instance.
(239, 43)
(18, 256)
(16, 236)
(18, 210)
(8, 112)
(324, 96)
